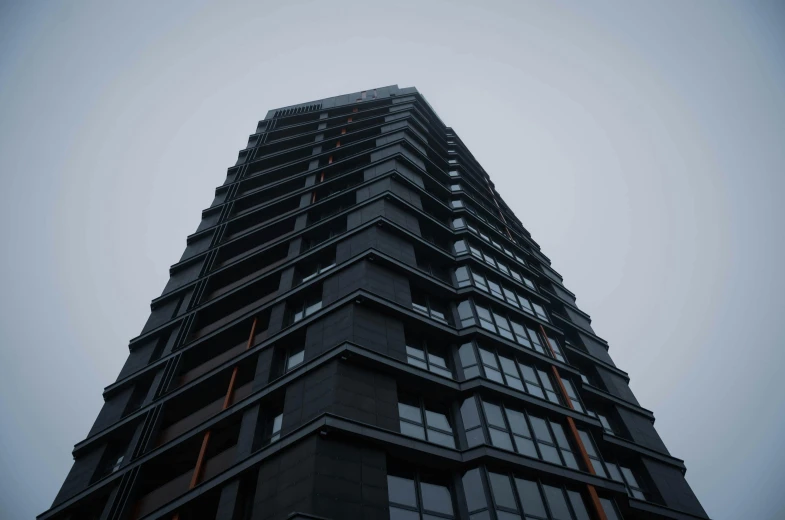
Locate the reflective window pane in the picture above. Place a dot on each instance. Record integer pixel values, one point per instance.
(525, 446)
(437, 420)
(469, 414)
(502, 490)
(578, 506)
(529, 493)
(401, 491)
(472, 488)
(403, 514)
(442, 439)
(557, 503)
(494, 415)
(549, 453)
(436, 498)
(561, 438)
(540, 429)
(500, 439)
(412, 430)
(409, 412)
(518, 423)
(609, 509)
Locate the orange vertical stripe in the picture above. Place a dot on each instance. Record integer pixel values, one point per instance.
(577, 438)
(200, 461)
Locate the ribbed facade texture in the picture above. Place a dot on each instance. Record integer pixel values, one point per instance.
(361, 328)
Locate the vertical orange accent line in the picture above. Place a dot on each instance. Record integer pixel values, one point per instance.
(200, 461)
(354, 110)
(330, 160)
(338, 144)
(313, 197)
(253, 332)
(595, 500)
(230, 390)
(321, 179)
(198, 469)
(349, 120)
(577, 438)
(343, 131)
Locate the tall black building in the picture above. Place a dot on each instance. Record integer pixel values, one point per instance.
(360, 328)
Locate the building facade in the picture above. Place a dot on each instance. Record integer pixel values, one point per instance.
(361, 328)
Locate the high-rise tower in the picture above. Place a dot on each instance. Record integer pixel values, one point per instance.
(360, 328)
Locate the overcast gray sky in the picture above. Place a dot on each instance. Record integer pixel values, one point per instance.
(640, 143)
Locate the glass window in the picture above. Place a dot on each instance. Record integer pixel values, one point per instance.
(465, 314)
(504, 327)
(510, 371)
(295, 358)
(606, 425)
(594, 457)
(416, 356)
(479, 281)
(578, 506)
(529, 284)
(535, 337)
(533, 385)
(436, 498)
(633, 488)
(452, 173)
(496, 290)
(520, 334)
(460, 247)
(423, 356)
(471, 422)
(545, 442)
(557, 353)
(531, 500)
(573, 395)
(550, 393)
(502, 491)
(557, 503)
(455, 187)
(609, 509)
(510, 297)
(468, 361)
(276, 430)
(401, 491)
(526, 305)
(306, 308)
(458, 223)
(409, 498)
(435, 427)
(564, 446)
(540, 312)
(462, 276)
(490, 365)
(473, 489)
(485, 318)
(521, 433)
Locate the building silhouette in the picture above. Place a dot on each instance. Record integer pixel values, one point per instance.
(361, 328)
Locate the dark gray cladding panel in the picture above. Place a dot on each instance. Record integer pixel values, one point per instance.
(673, 488)
(596, 349)
(616, 385)
(579, 320)
(641, 429)
(371, 277)
(377, 238)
